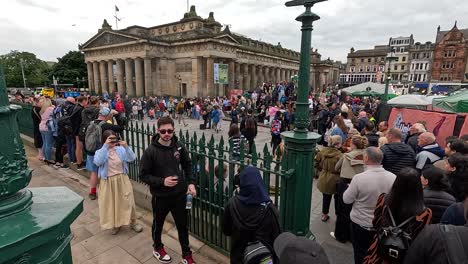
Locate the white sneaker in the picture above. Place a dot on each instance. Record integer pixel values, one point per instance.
(162, 256)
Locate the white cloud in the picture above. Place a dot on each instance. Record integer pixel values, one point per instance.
(45, 27)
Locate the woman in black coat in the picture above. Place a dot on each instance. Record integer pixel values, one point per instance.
(436, 196)
(36, 118)
(250, 216)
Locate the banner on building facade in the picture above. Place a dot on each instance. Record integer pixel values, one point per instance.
(441, 124)
(221, 73)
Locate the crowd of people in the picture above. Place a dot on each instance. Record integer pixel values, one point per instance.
(387, 185)
(390, 186)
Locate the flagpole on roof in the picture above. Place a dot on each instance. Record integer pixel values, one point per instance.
(116, 17)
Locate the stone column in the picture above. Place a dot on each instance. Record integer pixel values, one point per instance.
(97, 85)
(197, 78)
(120, 77)
(278, 75)
(249, 69)
(103, 73)
(283, 78)
(89, 66)
(254, 81)
(110, 74)
(232, 75)
(260, 76)
(239, 77)
(148, 80)
(129, 89)
(139, 78)
(210, 76)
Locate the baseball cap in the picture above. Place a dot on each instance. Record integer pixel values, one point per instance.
(105, 111)
(299, 250)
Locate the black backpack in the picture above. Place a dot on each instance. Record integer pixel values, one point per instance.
(64, 123)
(393, 241)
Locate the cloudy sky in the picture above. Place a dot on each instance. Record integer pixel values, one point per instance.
(50, 28)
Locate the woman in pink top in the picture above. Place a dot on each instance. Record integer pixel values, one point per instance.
(46, 127)
(272, 112)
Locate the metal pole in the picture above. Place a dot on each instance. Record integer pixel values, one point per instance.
(22, 71)
(296, 187)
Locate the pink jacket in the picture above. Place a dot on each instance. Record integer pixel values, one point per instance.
(46, 117)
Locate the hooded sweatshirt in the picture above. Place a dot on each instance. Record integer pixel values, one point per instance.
(397, 156)
(159, 161)
(250, 216)
(351, 163)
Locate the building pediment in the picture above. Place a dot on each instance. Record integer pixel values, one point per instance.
(108, 38)
(227, 38)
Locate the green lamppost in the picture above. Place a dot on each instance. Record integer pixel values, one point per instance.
(389, 58)
(296, 188)
(35, 222)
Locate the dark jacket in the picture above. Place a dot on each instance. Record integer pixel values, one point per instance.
(428, 155)
(430, 245)
(159, 161)
(454, 215)
(438, 201)
(412, 141)
(75, 118)
(397, 156)
(248, 224)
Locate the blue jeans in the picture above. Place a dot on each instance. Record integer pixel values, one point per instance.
(47, 144)
(71, 148)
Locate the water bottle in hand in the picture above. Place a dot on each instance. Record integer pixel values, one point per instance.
(188, 205)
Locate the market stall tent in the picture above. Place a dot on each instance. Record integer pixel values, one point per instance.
(378, 88)
(457, 103)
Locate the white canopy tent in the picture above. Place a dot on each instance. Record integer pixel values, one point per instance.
(368, 86)
(413, 101)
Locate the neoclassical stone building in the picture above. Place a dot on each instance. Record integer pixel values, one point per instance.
(179, 59)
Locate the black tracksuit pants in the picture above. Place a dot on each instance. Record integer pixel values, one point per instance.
(175, 205)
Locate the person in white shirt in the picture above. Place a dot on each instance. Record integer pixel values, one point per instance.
(363, 193)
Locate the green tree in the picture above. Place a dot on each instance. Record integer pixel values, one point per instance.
(35, 70)
(70, 67)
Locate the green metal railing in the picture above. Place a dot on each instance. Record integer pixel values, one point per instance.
(210, 159)
(25, 120)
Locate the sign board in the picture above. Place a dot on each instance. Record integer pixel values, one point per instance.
(221, 73)
(441, 124)
(234, 93)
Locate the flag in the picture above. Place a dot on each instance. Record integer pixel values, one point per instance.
(116, 9)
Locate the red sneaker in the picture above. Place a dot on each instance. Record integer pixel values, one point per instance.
(188, 260)
(161, 255)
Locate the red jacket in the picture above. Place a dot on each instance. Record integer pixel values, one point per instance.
(119, 106)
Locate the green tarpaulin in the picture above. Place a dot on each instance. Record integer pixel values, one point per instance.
(457, 103)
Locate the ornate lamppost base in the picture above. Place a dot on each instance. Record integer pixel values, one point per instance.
(40, 232)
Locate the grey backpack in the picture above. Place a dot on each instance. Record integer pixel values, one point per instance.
(93, 136)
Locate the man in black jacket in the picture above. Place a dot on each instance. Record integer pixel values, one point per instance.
(397, 155)
(166, 167)
(75, 119)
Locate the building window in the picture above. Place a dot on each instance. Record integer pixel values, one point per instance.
(369, 60)
(397, 59)
(402, 67)
(426, 65)
(352, 60)
(404, 59)
(450, 54)
(412, 66)
(414, 56)
(375, 68)
(368, 68)
(395, 67)
(362, 60)
(402, 49)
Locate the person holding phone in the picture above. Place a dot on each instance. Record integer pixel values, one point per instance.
(167, 168)
(116, 201)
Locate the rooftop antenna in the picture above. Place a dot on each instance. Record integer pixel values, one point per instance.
(188, 6)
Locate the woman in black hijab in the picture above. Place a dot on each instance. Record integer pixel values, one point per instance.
(250, 216)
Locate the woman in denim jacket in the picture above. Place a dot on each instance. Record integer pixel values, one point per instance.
(116, 201)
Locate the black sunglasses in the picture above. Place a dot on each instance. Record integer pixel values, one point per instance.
(168, 131)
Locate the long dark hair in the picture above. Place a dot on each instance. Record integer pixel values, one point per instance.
(436, 178)
(406, 197)
(234, 131)
(107, 134)
(458, 179)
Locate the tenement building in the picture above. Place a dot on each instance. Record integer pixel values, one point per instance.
(365, 66)
(450, 56)
(421, 62)
(399, 48)
(191, 57)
